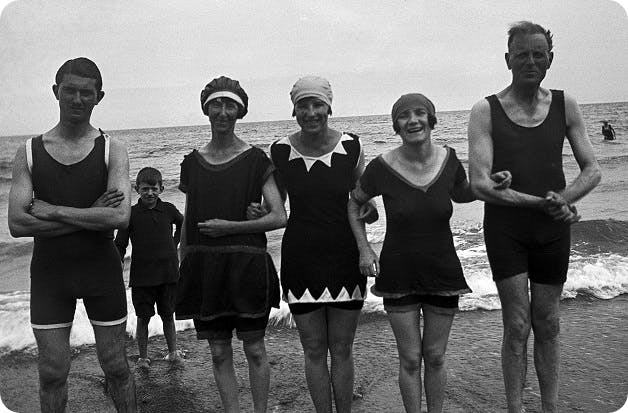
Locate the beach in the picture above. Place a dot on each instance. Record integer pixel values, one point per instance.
(594, 362)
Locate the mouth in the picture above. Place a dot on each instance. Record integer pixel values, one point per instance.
(415, 130)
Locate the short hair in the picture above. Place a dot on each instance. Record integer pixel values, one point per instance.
(149, 176)
(81, 66)
(526, 27)
(431, 120)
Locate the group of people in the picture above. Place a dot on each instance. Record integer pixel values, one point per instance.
(71, 189)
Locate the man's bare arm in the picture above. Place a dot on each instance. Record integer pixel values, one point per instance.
(97, 218)
(481, 163)
(21, 222)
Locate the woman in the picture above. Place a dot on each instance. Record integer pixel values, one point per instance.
(420, 271)
(318, 166)
(227, 279)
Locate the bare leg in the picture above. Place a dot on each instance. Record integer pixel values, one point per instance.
(141, 335)
(170, 334)
(53, 363)
(406, 328)
(515, 301)
(111, 353)
(259, 373)
(436, 328)
(341, 326)
(546, 327)
(222, 360)
(312, 328)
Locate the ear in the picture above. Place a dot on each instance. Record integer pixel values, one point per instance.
(99, 96)
(161, 188)
(55, 90)
(137, 188)
(507, 57)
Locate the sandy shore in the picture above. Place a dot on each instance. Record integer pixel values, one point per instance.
(593, 368)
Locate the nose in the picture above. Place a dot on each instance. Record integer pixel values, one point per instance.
(76, 97)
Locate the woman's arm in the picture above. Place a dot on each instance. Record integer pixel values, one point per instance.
(369, 263)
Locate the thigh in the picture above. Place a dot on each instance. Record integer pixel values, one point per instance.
(107, 309)
(515, 299)
(341, 325)
(436, 328)
(110, 344)
(166, 298)
(312, 328)
(52, 306)
(219, 330)
(506, 250)
(53, 347)
(549, 261)
(144, 301)
(407, 331)
(251, 330)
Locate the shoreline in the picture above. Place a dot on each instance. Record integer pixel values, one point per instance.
(593, 365)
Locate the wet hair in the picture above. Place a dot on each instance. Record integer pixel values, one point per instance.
(526, 27)
(149, 176)
(81, 66)
(431, 121)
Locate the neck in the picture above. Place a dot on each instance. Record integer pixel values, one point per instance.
(315, 140)
(418, 152)
(70, 130)
(149, 205)
(222, 140)
(525, 93)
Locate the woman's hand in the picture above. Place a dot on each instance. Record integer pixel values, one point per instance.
(255, 210)
(368, 212)
(503, 179)
(215, 227)
(369, 263)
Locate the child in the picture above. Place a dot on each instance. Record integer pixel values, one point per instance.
(227, 278)
(154, 262)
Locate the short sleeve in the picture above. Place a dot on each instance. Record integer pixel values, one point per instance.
(367, 186)
(184, 177)
(460, 174)
(265, 167)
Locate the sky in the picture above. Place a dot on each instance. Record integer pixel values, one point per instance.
(156, 56)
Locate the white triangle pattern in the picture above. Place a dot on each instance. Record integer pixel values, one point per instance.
(325, 297)
(311, 160)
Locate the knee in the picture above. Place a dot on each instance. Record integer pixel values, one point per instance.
(434, 359)
(517, 331)
(410, 363)
(546, 328)
(53, 373)
(114, 364)
(221, 355)
(255, 353)
(341, 350)
(314, 349)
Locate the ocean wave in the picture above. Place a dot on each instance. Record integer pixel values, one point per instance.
(600, 236)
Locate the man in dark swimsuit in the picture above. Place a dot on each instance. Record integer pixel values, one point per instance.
(608, 131)
(70, 190)
(526, 227)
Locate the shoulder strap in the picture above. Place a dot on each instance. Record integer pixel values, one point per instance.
(107, 143)
(29, 154)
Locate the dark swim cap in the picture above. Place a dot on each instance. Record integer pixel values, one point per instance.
(225, 87)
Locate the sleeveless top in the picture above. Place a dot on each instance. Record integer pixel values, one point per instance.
(534, 155)
(88, 255)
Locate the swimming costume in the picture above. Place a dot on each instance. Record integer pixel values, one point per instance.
(528, 240)
(83, 264)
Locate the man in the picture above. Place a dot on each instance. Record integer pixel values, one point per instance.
(527, 227)
(607, 131)
(70, 189)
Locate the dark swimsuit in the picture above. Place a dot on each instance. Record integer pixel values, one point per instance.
(520, 240)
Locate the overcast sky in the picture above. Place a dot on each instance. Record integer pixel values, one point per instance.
(156, 56)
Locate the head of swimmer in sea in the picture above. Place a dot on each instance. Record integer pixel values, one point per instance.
(224, 101)
(78, 88)
(149, 185)
(311, 98)
(413, 118)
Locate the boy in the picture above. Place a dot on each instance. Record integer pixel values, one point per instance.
(154, 263)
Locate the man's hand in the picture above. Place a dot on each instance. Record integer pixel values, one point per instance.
(215, 228)
(503, 179)
(255, 210)
(41, 210)
(556, 207)
(111, 198)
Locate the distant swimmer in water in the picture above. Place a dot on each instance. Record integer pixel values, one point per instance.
(608, 131)
(527, 226)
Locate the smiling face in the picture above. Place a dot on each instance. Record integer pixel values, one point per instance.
(77, 97)
(149, 193)
(413, 126)
(529, 58)
(312, 114)
(223, 114)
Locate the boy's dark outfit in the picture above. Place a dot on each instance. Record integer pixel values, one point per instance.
(154, 262)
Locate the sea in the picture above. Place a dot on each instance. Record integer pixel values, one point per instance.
(599, 260)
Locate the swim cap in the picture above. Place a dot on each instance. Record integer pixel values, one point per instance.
(411, 101)
(311, 86)
(225, 87)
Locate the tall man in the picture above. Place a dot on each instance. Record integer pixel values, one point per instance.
(70, 190)
(527, 227)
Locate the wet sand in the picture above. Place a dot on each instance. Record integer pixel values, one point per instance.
(594, 367)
